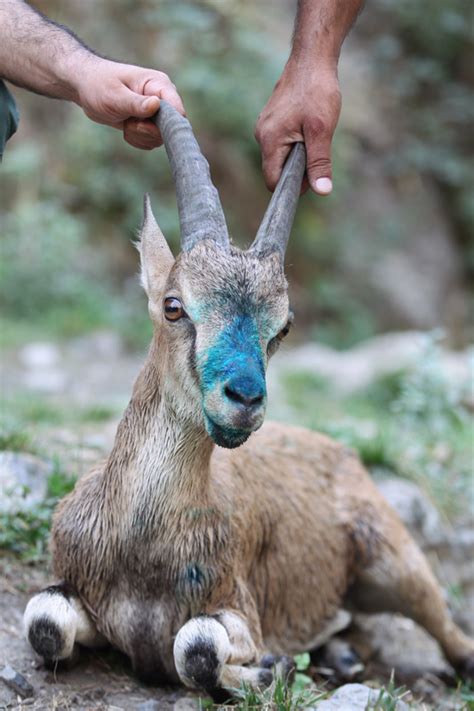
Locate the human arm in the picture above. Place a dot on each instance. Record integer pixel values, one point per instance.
(306, 101)
(42, 56)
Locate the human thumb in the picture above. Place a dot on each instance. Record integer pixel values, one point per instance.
(139, 106)
(319, 168)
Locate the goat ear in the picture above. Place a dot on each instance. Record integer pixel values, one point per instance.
(156, 256)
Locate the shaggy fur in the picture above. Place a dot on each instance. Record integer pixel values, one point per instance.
(197, 560)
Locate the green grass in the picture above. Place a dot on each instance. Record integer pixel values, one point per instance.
(388, 697)
(409, 423)
(25, 533)
(301, 693)
(15, 439)
(465, 692)
(24, 410)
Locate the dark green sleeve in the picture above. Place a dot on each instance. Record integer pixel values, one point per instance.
(9, 116)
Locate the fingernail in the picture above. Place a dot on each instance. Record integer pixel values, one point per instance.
(323, 186)
(149, 103)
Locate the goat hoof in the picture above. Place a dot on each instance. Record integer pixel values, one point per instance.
(465, 669)
(265, 678)
(283, 665)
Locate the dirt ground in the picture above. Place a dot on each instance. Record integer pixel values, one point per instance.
(103, 681)
(99, 681)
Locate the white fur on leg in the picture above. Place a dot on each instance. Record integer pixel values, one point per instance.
(244, 650)
(232, 676)
(54, 621)
(204, 636)
(54, 608)
(86, 631)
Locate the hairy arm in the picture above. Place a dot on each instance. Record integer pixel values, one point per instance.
(42, 56)
(306, 101)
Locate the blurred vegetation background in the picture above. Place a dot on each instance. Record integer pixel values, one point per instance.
(392, 248)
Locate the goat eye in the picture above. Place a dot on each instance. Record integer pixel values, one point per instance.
(173, 309)
(286, 328)
(275, 342)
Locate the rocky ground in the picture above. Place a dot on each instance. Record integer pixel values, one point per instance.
(79, 376)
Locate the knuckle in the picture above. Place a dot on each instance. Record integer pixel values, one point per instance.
(319, 163)
(315, 126)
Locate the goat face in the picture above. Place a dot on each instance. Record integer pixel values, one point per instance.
(237, 305)
(223, 311)
(220, 315)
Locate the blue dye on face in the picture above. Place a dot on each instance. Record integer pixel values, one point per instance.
(236, 355)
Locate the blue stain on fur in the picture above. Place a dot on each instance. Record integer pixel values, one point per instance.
(235, 361)
(236, 354)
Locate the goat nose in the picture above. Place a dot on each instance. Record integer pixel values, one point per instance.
(245, 391)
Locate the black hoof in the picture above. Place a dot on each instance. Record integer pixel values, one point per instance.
(46, 639)
(202, 664)
(465, 669)
(284, 666)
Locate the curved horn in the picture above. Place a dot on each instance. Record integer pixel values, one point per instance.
(200, 211)
(274, 231)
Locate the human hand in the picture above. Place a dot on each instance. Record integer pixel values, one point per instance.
(125, 97)
(305, 106)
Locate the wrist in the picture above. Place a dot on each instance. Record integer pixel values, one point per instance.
(74, 71)
(304, 70)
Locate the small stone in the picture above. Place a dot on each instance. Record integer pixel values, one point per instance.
(350, 697)
(150, 705)
(355, 697)
(186, 703)
(16, 682)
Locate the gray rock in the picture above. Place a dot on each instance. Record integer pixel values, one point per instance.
(16, 682)
(397, 643)
(150, 705)
(186, 703)
(23, 481)
(355, 369)
(100, 344)
(354, 697)
(50, 381)
(39, 355)
(416, 511)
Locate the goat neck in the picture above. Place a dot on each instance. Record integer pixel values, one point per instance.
(161, 457)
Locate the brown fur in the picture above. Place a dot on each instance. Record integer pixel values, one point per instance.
(279, 531)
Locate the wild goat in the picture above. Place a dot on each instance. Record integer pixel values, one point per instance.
(201, 562)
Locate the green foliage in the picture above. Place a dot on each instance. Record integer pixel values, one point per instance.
(71, 196)
(25, 533)
(14, 437)
(426, 63)
(23, 417)
(343, 318)
(96, 413)
(278, 697)
(465, 692)
(410, 423)
(302, 661)
(434, 432)
(388, 697)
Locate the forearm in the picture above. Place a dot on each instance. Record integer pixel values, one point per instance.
(306, 101)
(38, 54)
(320, 29)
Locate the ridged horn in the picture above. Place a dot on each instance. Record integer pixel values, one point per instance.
(200, 211)
(274, 231)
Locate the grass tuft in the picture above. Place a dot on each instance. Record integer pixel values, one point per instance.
(25, 533)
